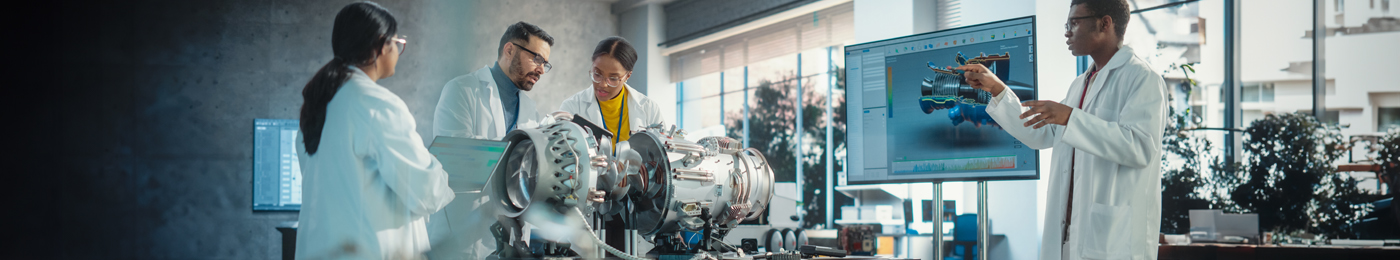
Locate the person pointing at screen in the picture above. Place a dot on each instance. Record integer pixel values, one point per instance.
(1104, 199)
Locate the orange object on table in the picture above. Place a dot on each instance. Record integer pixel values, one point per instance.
(885, 246)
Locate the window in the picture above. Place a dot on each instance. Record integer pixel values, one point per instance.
(773, 87)
(735, 102)
(1249, 93)
(1196, 112)
(1174, 41)
(1176, 36)
(703, 94)
(1255, 93)
(772, 114)
(1275, 63)
(1388, 117)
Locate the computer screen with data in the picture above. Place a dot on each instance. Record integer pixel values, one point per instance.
(913, 118)
(276, 172)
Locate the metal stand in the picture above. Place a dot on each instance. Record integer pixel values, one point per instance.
(983, 234)
(937, 220)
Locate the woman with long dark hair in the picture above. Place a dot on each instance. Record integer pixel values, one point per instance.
(368, 182)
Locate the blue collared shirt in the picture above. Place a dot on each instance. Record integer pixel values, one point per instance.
(510, 95)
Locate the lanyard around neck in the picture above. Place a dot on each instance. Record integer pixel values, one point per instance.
(621, 110)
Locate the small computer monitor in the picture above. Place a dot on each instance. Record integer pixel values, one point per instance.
(276, 172)
(914, 118)
(468, 162)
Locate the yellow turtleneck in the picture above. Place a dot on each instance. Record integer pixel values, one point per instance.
(613, 110)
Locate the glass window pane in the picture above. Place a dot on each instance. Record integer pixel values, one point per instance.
(1275, 51)
(1388, 117)
(1249, 93)
(816, 81)
(700, 118)
(1184, 43)
(1266, 93)
(814, 97)
(734, 102)
(772, 114)
(1331, 117)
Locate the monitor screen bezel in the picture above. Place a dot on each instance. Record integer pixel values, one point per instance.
(914, 37)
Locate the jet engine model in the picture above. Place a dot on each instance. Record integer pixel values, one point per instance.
(948, 89)
(682, 196)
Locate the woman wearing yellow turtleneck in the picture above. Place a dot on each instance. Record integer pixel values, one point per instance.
(616, 108)
(609, 102)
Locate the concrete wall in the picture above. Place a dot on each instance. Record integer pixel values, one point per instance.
(644, 26)
(577, 27)
(148, 130)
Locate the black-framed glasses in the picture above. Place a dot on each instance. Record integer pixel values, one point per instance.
(1071, 19)
(400, 42)
(537, 59)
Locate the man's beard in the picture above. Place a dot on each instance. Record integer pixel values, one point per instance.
(518, 68)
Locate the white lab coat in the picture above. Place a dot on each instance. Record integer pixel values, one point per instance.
(470, 107)
(1116, 143)
(371, 185)
(641, 111)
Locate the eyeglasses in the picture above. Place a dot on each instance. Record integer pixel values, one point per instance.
(598, 78)
(537, 59)
(1071, 19)
(400, 42)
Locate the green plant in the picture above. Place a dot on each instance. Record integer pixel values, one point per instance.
(1182, 186)
(1183, 181)
(1390, 159)
(1290, 180)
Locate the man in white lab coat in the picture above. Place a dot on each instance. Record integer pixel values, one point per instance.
(487, 104)
(1104, 200)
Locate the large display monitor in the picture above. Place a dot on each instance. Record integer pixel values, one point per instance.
(276, 172)
(913, 119)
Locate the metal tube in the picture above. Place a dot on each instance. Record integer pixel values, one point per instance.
(686, 148)
(801, 194)
(937, 220)
(691, 146)
(694, 178)
(983, 235)
(1231, 86)
(692, 172)
(830, 160)
(1319, 56)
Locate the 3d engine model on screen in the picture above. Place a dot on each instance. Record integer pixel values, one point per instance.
(683, 196)
(948, 89)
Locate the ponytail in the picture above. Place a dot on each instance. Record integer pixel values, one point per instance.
(360, 31)
(316, 96)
